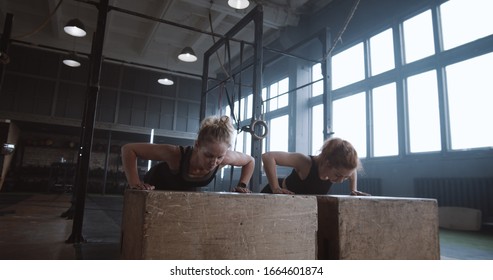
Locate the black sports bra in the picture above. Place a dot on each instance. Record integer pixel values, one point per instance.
(163, 178)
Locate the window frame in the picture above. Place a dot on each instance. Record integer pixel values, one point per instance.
(398, 75)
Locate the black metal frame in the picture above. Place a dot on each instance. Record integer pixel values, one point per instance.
(256, 15)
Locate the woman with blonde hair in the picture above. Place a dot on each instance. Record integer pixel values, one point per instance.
(187, 168)
(337, 161)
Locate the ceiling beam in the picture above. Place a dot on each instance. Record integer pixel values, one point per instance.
(215, 23)
(275, 16)
(55, 20)
(162, 11)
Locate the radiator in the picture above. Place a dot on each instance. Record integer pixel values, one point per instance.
(372, 186)
(476, 193)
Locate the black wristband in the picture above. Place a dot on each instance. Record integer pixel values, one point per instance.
(241, 185)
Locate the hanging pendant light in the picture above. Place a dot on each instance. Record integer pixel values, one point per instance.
(165, 81)
(75, 27)
(71, 60)
(238, 4)
(187, 55)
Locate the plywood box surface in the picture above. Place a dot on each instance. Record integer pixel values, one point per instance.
(202, 225)
(381, 228)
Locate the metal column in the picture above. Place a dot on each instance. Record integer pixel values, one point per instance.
(4, 43)
(88, 121)
(257, 97)
(327, 95)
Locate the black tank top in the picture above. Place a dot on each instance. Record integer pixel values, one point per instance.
(312, 184)
(163, 178)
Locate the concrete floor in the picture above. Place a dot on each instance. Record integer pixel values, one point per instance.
(467, 245)
(31, 229)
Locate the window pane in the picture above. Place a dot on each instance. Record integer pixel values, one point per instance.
(385, 138)
(418, 37)
(276, 101)
(348, 66)
(238, 146)
(248, 144)
(317, 128)
(464, 21)
(242, 108)
(249, 106)
(283, 100)
(350, 121)
(273, 91)
(226, 111)
(424, 118)
(264, 98)
(278, 134)
(382, 52)
(318, 87)
(470, 97)
(237, 108)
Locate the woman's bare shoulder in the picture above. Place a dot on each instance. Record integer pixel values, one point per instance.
(288, 158)
(161, 152)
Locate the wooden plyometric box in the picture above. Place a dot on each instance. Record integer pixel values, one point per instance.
(202, 225)
(377, 228)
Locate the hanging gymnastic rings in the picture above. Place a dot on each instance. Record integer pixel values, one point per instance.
(251, 129)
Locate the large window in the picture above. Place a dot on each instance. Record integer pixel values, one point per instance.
(350, 121)
(424, 118)
(470, 99)
(348, 67)
(476, 21)
(438, 104)
(276, 100)
(418, 37)
(385, 138)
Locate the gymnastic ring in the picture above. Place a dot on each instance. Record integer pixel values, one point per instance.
(262, 124)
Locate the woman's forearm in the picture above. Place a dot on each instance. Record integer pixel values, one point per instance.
(247, 171)
(353, 181)
(270, 169)
(129, 164)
